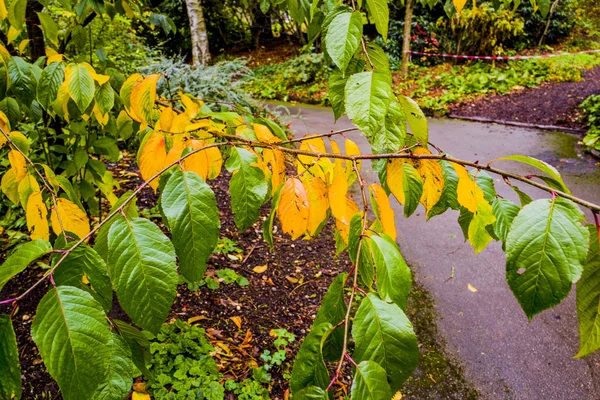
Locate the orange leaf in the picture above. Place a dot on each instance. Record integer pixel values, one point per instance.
(166, 119)
(293, 208)
(263, 134)
(318, 202)
(153, 157)
(206, 163)
(237, 321)
(343, 224)
(276, 160)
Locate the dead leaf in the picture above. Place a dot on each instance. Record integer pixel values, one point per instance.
(260, 269)
(237, 321)
(196, 319)
(472, 288)
(290, 279)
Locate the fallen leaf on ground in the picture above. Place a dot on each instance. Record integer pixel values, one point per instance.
(197, 318)
(237, 321)
(472, 288)
(260, 269)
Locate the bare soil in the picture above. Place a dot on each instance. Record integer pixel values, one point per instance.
(551, 104)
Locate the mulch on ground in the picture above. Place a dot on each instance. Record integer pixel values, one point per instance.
(551, 104)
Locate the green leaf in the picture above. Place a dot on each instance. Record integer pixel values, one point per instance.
(80, 86)
(413, 189)
(50, 80)
(545, 248)
(311, 393)
(83, 260)
(368, 97)
(248, 187)
(588, 298)
(383, 334)
(142, 268)
(343, 37)
(416, 119)
(190, 207)
(107, 147)
(309, 368)
(72, 334)
(296, 11)
(21, 258)
(478, 233)
(49, 27)
(392, 134)
(10, 369)
(105, 98)
(265, 5)
(274, 127)
(541, 165)
(448, 197)
(370, 382)
(333, 310)
(16, 13)
(544, 7)
(485, 183)
(381, 15)
(379, 59)
(11, 109)
(337, 86)
(523, 197)
(268, 223)
(138, 344)
(119, 378)
(130, 210)
(23, 82)
(394, 278)
(505, 212)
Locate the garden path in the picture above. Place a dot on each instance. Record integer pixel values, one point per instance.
(503, 355)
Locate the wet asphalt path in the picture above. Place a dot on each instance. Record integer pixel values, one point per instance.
(503, 355)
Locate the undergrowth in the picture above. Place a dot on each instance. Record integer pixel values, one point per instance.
(591, 110)
(304, 79)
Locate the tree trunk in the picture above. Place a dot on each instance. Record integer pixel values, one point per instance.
(406, 42)
(548, 22)
(200, 53)
(34, 30)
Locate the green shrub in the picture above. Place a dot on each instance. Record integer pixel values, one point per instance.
(221, 82)
(591, 110)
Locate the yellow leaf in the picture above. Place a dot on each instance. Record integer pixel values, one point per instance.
(174, 154)
(27, 186)
(3, 11)
(166, 119)
(5, 127)
(237, 321)
(293, 211)
(276, 160)
(263, 134)
(318, 202)
(137, 395)
(72, 218)
(191, 107)
(18, 163)
(101, 79)
(315, 145)
(23, 45)
(37, 217)
(394, 173)
(472, 288)
(206, 163)
(13, 33)
(432, 177)
(343, 224)
(152, 159)
(10, 187)
(125, 94)
(352, 150)
(468, 193)
(260, 269)
(143, 96)
(384, 210)
(180, 123)
(459, 5)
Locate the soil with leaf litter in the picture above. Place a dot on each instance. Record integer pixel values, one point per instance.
(550, 104)
(285, 288)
